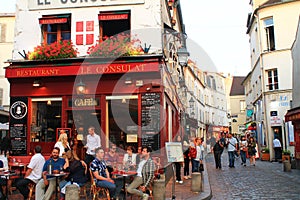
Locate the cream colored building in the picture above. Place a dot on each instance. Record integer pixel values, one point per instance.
(271, 28)
(7, 23)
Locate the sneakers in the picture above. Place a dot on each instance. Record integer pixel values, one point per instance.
(176, 181)
(180, 182)
(145, 196)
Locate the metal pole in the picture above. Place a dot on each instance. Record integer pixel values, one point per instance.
(173, 185)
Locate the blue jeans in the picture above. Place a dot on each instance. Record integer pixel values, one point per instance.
(231, 158)
(110, 186)
(243, 156)
(195, 165)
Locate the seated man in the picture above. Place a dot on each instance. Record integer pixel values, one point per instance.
(33, 173)
(111, 158)
(101, 174)
(57, 164)
(145, 174)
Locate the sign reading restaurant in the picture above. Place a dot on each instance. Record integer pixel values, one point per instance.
(50, 4)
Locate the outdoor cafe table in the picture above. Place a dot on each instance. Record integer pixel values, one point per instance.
(56, 176)
(7, 174)
(21, 166)
(124, 174)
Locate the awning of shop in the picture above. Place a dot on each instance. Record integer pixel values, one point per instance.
(293, 114)
(53, 20)
(112, 16)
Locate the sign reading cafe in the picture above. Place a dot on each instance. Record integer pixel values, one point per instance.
(50, 4)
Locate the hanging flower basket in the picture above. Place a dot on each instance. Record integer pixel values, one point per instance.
(56, 50)
(116, 46)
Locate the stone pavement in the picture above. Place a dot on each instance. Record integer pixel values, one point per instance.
(265, 180)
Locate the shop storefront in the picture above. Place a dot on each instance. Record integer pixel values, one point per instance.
(123, 100)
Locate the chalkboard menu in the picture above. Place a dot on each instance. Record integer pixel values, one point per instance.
(151, 120)
(18, 130)
(151, 140)
(18, 146)
(151, 112)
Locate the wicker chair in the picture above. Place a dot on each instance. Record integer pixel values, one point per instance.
(96, 190)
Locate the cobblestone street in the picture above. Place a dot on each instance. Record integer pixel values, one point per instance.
(266, 180)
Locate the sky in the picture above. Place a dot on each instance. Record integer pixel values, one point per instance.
(216, 31)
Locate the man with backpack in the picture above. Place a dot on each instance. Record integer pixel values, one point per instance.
(218, 150)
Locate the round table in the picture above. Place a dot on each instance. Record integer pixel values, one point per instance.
(56, 176)
(7, 174)
(124, 174)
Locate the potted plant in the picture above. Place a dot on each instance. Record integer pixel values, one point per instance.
(265, 154)
(286, 155)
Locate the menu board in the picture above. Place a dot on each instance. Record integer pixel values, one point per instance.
(18, 146)
(151, 120)
(174, 152)
(18, 130)
(151, 112)
(151, 140)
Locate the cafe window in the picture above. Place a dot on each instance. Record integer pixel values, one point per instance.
(112, 23)
(56, 28)
(46, 118)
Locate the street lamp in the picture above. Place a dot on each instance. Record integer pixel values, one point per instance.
(192, 102)
(183, 56)
(80, 88)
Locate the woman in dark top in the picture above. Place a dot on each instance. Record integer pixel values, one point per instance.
(77, 173)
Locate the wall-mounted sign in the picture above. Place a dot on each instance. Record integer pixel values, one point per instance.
(273, 113)
(18, 110)
(84, 102)
(275, 121)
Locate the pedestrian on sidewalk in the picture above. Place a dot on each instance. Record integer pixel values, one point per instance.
(252, 150)
(178, 165)
(218, 150)
(186, 151)
(243, 150)
(277, 149)
(232, 147)
(196, 160)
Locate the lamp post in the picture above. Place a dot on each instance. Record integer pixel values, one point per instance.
(192, 106)
(183, 56)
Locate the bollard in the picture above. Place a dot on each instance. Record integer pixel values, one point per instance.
(196, 182)
(159, 189)
(72, 192)
(286, 166)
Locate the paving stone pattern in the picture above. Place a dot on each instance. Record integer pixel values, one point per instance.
(266, 180)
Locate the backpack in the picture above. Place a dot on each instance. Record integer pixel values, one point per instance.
(193, 152)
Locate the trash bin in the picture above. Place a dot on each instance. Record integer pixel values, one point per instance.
(286, 166)
(196, 182)
(159, 189)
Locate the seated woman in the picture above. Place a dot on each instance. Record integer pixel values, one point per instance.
(77, 173)
(111, 158)
(129, 160)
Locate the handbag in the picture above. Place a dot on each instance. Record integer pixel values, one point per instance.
(201, 167)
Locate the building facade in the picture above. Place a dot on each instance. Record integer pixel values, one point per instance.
(130, 99)
(268, 86)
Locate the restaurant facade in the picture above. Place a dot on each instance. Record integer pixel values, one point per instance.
(129, 99)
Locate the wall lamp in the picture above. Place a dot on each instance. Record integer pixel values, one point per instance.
(37, 83)
(80, 87)
(183, 56)
(128, 81)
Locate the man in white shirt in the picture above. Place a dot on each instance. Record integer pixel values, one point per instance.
(33, 173)
(277, 149)
(232, 146)
(93, 142)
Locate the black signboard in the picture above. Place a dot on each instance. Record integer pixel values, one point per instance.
(151, 120)
(18, 130)
(151, 140)
(18, 146)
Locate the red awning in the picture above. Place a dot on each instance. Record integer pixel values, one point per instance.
(293, 115)
(53, 20)
(112, 16)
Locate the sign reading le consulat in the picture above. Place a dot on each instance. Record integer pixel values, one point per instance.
(49, 4)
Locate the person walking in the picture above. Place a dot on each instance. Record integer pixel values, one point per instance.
(243, 150)
(93, 142)
(33, 173)
(145, 174)
(277, 148)
(218, 150)
(178, 165)
(232, 147)
(186, 151)
(252, 150)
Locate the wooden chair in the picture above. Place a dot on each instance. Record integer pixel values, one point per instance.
(83, 192)
(95, 190)
(31, 187)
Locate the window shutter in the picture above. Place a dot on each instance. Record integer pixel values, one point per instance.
(2, 32)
